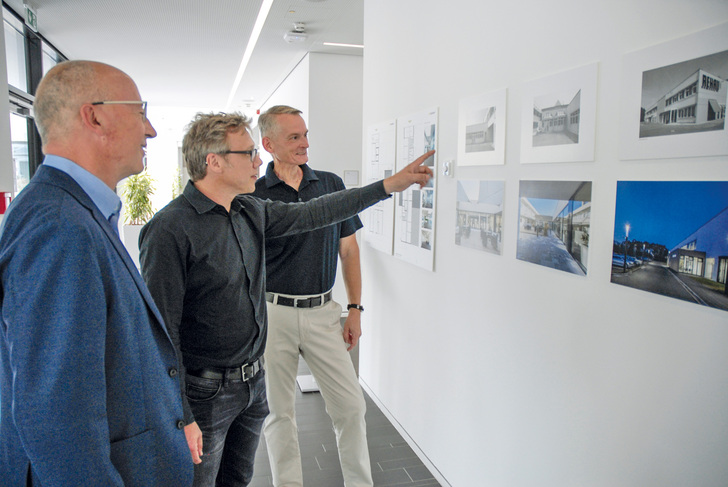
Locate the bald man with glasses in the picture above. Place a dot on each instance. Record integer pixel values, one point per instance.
(89, 378)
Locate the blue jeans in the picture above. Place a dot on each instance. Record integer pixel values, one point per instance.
(230, 414)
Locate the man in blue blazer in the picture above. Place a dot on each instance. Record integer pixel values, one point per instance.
(89, 381)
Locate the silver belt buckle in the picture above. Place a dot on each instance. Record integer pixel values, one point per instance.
(248, 371)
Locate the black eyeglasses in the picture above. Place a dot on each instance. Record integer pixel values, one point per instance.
(108, 102)
(253, 153)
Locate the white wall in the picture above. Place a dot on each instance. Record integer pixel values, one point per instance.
(508, 373)
(335, 122)
(328, 89)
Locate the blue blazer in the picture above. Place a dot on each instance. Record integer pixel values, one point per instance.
(89, 383)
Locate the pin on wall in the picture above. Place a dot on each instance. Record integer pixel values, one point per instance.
(448, 168)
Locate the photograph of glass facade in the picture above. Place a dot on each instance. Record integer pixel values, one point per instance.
(554, 221)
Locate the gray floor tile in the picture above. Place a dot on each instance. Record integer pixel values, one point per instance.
(394, 463)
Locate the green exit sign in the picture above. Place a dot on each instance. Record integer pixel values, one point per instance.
(31, 19)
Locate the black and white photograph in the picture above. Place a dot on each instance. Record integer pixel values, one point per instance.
(556, 119)
(554, 224)
(559, 117)
(479, 218)
(481, 129)
(685, 97)
(671, 238)
(673, 98)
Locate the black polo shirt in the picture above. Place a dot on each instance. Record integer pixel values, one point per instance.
(205, 268)
(304, 263)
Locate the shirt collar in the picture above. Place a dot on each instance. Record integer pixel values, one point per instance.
(103, 197)
(203, 204)
(272, 179)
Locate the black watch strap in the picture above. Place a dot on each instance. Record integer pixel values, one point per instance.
(355, 306)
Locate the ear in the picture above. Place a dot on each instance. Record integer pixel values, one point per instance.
(267, 145)
(90, 118)
(214, 162)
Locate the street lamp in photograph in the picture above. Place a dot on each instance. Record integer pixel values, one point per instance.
(626, 243)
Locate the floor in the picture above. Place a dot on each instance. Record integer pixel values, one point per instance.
(394, 463)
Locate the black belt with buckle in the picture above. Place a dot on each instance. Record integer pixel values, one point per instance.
(298, 302)
(244, 372)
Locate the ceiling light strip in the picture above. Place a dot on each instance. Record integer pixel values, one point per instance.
(338, 44)
(257, 28)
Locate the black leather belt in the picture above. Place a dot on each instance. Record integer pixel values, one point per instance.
(244, 372)
(311, 302)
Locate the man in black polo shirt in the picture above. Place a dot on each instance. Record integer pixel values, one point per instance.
(301, 269)
(202, 257)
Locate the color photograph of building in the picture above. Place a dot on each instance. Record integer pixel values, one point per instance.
(479, 209)
(554, 224)
(671, 238)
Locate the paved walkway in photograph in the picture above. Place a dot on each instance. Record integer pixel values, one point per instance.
(554, 138)
(657, 278)
(548, 251)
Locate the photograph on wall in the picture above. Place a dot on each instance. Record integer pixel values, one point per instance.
(671, 238)
(379, 219)
(482, 129)
(479, 217)
(554, 224)
(558, 117)
(674, 98)
(685, 98)
(415, 208)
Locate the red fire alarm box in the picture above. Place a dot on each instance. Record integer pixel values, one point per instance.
(4, 201)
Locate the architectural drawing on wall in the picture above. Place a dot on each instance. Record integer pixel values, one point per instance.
(554, 224)
(414, 213)
(671, 238)
(479, 218)
(379, 219)
(558, 117)
(674, 98)
(482, 129)
(685, 97)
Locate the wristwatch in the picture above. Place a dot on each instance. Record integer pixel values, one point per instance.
(355, 306)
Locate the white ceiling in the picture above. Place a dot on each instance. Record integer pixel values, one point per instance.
(187, 52)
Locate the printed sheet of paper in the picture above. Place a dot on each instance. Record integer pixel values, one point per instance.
(379, 219)
(414, 212)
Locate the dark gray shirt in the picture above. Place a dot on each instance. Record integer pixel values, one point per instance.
(304, 263)
(205, 268)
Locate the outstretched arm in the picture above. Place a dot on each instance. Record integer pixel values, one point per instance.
(413, 173)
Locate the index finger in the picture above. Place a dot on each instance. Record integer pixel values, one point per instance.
(420, 160)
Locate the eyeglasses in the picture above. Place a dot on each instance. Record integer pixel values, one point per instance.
(142, 103)
(253, 153)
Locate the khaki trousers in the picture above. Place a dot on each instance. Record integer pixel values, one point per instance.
(316, 334)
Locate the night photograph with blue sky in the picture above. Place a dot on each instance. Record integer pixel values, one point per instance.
(666, 212)
(688, 218)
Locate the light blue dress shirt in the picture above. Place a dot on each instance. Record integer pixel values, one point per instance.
(103, 197)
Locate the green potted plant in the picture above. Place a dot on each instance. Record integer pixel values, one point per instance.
(136, 196)
(138, 210)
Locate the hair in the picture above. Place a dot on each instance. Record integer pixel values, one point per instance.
(207, 133)
(60, 94)
(267, 121)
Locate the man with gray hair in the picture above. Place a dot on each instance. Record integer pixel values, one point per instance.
(203, 258)
(89, 383)
(301, 268)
